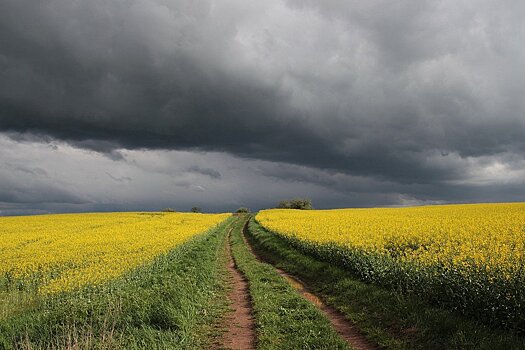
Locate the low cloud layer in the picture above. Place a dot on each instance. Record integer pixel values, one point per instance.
(63, 178)
(354, 103)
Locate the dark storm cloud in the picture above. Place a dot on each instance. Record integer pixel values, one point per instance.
(214, 174)
(394, 94)
(37, 195)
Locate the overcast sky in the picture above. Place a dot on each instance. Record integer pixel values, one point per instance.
(144, 104)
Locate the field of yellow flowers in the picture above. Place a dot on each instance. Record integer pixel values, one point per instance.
(467, 257)
(66, 252)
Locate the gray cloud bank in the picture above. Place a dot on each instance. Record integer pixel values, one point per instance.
(375, 103)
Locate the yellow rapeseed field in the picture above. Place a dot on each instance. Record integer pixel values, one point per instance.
(490, 236)
(69, 251)
(470, 257)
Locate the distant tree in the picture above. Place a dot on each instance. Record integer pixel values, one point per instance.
(242, 210)
(168, 210)
(296, 203)
(284, 204)
(196, 210)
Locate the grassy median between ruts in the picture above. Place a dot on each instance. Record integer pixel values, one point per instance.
(284, 320)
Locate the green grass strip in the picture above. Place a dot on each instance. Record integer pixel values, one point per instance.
(284, 320)
(173, 302)
(390, 319)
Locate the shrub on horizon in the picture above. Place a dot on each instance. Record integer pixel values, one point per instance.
(296, 203)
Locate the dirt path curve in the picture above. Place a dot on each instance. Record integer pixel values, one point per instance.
(241, 324)
(346, 329)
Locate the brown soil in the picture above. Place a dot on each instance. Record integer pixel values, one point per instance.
(240, 323)
(346, 329)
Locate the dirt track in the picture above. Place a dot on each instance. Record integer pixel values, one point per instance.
(346, 329)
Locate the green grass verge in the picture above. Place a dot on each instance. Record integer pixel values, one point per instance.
(284, 320)
(390, 319)
(174, 302)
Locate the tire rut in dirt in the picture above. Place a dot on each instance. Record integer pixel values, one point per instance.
(241, 323)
